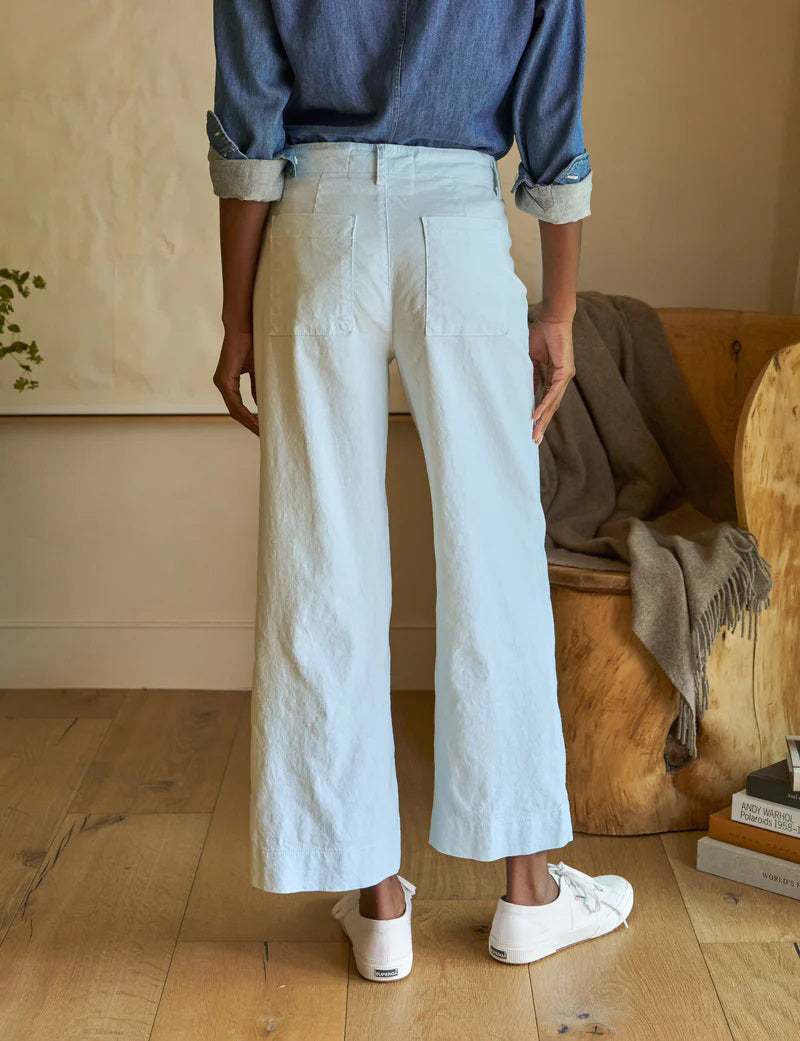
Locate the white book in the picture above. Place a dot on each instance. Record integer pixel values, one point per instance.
(773, 816)
(748, 866)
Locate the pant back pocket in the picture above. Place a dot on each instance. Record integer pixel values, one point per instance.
(468, 271)
(310, 273)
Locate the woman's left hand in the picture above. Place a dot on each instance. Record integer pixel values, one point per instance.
(550, 350)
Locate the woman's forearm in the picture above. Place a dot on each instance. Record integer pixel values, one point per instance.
(241, 228)
(561, 250)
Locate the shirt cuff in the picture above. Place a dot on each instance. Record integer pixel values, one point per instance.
(255, 180)
(567, 199)
(234, 176)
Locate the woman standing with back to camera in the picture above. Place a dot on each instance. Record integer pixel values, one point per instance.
(354, 148)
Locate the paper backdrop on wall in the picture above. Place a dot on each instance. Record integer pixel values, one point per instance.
(104, 192)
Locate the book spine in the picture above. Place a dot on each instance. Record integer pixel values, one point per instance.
(772, 791)
(759, 839)
(793, 759)
(761, 813)
(753, 869)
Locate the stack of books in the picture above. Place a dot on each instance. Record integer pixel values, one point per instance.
(756, 840)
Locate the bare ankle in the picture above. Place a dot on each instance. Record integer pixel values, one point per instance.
(529, 880)
(533, 895)
(383, 901)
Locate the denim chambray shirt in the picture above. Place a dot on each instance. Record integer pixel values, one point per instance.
(447, 73)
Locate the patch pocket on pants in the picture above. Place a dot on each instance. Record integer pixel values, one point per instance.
(311, 273)
(468, 266)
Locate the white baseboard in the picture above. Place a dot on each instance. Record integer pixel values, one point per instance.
(165, 655)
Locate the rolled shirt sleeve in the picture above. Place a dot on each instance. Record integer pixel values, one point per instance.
(247, 152)
(554, 181)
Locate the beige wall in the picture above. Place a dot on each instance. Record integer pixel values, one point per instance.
(127, 546)
(692, 117)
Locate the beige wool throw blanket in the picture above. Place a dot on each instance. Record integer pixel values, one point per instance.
(631, 479)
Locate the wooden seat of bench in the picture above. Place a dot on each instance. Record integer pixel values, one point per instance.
(590, 580)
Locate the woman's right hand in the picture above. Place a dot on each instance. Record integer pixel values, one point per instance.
(236, 359)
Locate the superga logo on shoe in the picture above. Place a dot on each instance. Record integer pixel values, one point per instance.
(497, 952)
(386, 972)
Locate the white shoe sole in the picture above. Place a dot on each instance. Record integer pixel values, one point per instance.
(523, 955)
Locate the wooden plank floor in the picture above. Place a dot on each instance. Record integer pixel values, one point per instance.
(126, 909)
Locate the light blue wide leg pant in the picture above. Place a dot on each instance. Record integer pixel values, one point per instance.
(375, 251)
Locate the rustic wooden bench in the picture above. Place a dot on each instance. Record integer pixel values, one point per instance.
(743, 371)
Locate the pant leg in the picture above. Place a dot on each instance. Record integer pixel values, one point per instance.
(324, 802)
(462, 351)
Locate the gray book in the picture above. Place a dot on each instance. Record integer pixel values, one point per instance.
(748, 866)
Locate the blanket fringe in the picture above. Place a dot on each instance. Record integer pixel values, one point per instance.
(743, 595)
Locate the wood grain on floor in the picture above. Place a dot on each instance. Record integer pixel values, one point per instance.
(42, 762)
(82, 704)
(88, 952)
(252, 991)
(165, 752)
(725, 911)
(126, 909)
(647, 981)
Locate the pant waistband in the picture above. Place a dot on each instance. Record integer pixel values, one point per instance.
(377, 160)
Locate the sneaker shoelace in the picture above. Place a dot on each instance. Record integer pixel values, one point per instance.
(586, 886)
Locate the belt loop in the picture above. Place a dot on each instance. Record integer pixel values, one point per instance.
(379, 170)
(496, 178)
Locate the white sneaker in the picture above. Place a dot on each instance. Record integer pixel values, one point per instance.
(585, 907)
(382, 948)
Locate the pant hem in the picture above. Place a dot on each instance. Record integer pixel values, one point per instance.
(492, 840)
(311, 869)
